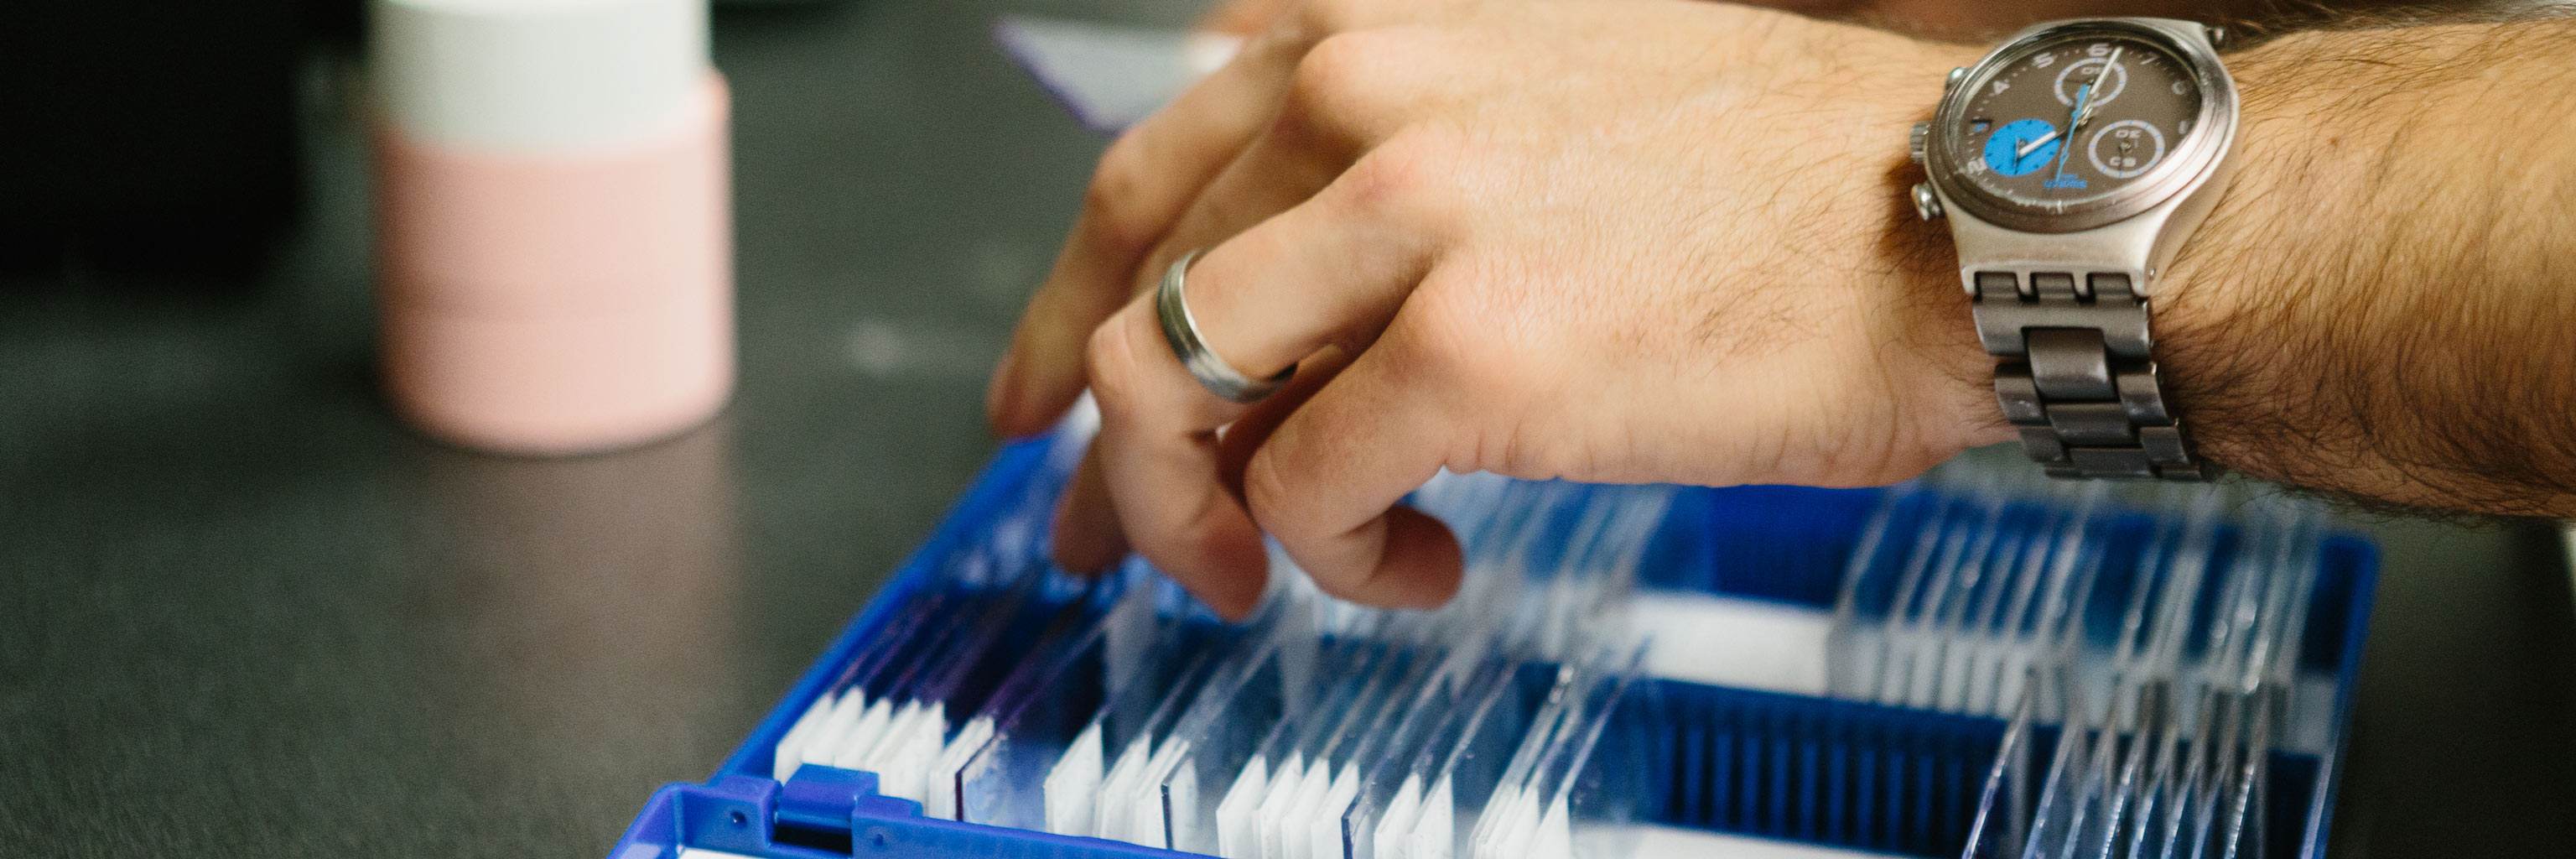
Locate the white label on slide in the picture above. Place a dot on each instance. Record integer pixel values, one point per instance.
(1236, 836)
(1074, 784)
(1723, 641)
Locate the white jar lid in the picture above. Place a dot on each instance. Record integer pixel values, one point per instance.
(537, 75)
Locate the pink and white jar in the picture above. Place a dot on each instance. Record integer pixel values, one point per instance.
(554, 221)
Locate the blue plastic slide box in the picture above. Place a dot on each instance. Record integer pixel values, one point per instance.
(1806, 775)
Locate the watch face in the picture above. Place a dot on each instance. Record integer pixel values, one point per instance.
(2072, 122)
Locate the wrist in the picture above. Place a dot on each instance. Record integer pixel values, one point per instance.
(1938, 362)
(2352, 314)
(2236, 317)
(2216, 324)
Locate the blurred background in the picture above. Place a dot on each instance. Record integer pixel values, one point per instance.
(244, 611)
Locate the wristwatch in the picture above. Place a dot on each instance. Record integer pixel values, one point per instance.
(2071, 163)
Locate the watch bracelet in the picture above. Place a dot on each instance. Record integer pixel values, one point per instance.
(2074, 376)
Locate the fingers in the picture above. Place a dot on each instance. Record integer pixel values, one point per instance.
(1329, 254)
(1144, 182)
(1160, 194)
(1338, 108)
(1237, 441)
(1157, 452)
(1267, 180)
(1086, 537)
(1306, 278)
(1325, 484)
(1272, 273)
(1329, 271)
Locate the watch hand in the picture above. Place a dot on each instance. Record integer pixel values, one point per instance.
(2083, 99)
(2024, 150)
(2085, 104)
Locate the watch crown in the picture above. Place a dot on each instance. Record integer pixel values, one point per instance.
(1956, 75)
(2217, 36)
(1916, 142)
(1927, 205)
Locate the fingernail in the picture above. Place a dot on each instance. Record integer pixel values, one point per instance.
(1206, 51)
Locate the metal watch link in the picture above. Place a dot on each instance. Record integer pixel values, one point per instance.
(2071, 163)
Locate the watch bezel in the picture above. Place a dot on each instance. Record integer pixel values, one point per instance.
(2193, 160)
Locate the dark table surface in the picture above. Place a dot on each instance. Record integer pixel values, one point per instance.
(243, 612)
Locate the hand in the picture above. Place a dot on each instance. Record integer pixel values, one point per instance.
(1609, 240)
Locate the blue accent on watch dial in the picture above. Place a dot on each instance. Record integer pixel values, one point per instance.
(2000, 147)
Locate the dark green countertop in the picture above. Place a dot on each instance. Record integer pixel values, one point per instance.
(244, 613)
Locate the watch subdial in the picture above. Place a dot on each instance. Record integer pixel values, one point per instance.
(2126, 148)
(2090, 70)
(2020, 148)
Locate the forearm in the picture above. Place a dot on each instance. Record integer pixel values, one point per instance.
(2381, 305)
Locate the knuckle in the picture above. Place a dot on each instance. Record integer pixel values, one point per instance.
(1112, 202)
(1362, 82)
(1326, 17)
(1111, 360)
(1272, 498)
(1333, 80)
(1411, 171)
(1456, 335)
(1460, 330)
(1272, 493)
(1348, 567)
(1339, 584)
(1337, 63)
(1171, 549)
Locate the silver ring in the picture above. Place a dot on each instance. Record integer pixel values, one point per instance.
(1182, 331)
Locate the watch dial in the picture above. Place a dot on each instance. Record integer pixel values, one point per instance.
(2074, 120)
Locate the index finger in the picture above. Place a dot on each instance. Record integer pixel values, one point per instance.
(1140, 189)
